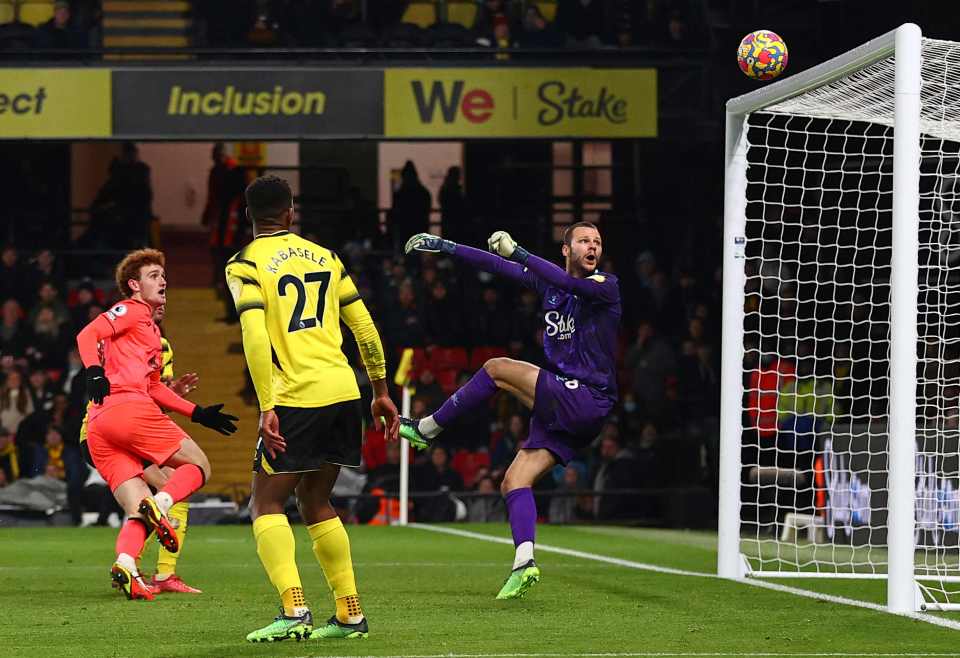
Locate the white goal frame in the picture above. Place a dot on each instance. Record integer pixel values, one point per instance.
(906, 42)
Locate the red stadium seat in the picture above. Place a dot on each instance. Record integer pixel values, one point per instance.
(447, 380)
(449, 358)
(481, 355)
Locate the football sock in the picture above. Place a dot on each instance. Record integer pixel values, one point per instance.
(523, 522)
(523, 555)
(126, 561)
(130, 541)
(185, 480)
(471, 396)
(294, 603)
(331, 545)
(164, 501)
(277, 550)
(167, 561)
(428, 427)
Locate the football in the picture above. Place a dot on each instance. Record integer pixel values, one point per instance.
(762, 55)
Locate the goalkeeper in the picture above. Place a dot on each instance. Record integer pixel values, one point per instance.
(569, 400)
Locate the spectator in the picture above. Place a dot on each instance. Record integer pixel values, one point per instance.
(491, 323)
(49, 342)
(15, 401)
(9, 463)
(45, 267)
(49, 297)
(410, 211)
(506, 446)
(80, 311)
(61, 32)
(221, 191)
(436, 475)
(428, 390)
(444, 319)
(41, 389)
(13, 332)
(123, 209)
(538, 32)
(488, 507)
(699, 381)
(566, 509)
(13, 276)
(453, 209)
(490, 14)
(651, 361)
(617, 471)
(404, 321)
(527, 318)
(52, 460)
(582, 21)
(387, 475)
(72, 379)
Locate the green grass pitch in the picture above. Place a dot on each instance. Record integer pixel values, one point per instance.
(432, 594)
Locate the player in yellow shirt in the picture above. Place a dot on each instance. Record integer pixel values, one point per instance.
(291, 295)
(166, 578)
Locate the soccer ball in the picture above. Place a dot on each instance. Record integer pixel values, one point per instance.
(762, 55)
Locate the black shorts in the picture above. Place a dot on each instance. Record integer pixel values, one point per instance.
(85, 451)
(315, 436)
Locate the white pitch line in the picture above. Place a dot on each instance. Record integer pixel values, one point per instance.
(648, 654)
(630, 564)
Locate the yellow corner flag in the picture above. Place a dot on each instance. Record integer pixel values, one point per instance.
(404, 368)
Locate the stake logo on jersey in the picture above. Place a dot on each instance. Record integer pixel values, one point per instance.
(559, 326)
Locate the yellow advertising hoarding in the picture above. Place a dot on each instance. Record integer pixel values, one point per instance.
(509, 102)
(55, 103)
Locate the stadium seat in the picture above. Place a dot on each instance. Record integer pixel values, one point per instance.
(421, 14)
(449, 35)
(447, 379)
(449, 358)
(548, 8)
(36, 13)
(480, 355)
(404, 35)
(7, 12)
(462, 13)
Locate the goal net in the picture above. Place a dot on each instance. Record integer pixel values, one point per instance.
(843, 334)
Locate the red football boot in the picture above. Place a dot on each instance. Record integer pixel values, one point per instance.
(173, 584)
(131, 585)
(161, 525)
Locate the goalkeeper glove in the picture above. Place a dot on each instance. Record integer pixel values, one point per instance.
(98, 386)
(431, 243)
(503, 245)
(215, 419)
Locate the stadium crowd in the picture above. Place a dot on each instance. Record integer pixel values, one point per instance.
(661, 435)
(495, 24)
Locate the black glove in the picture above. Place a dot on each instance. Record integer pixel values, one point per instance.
(215, 419)
(98, 386)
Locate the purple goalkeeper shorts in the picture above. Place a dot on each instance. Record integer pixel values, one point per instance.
(566, 416)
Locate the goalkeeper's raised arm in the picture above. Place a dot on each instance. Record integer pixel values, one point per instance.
(581, 250)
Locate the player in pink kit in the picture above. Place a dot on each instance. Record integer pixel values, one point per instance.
(127, 426)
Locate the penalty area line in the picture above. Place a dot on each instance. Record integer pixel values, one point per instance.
(642, 566)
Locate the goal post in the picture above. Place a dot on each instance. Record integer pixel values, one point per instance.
(838, 222)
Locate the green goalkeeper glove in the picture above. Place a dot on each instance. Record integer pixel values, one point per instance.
(504, 246)
(431, 243)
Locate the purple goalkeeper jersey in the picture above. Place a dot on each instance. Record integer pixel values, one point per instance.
(581, 316)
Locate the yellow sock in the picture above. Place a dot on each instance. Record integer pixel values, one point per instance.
(167, 561)
(332, 548)
(277, 551)
(293, 601)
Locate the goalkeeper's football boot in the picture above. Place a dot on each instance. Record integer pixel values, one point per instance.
(130, 583)
(411, 432)
(519, 581)
(160, 524)
(284, 628)
(337, 630)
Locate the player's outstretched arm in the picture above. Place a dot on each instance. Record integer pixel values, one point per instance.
(88, 344)
(477, 258)
(596, 287)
